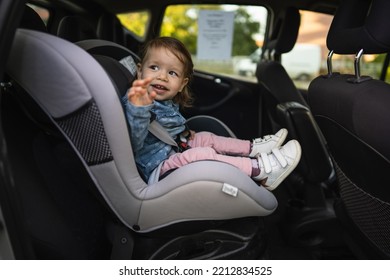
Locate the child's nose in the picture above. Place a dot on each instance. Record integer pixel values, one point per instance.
(162, 76)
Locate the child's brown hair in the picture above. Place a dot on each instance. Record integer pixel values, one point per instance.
(184, 98)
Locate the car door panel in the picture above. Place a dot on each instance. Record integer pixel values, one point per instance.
(234, 102)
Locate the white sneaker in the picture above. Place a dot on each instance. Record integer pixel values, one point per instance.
(268, 142)
(277, 165)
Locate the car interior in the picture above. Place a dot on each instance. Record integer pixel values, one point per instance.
(363, 204)
(74, 190)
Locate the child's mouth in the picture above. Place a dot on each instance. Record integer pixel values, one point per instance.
(159, 87)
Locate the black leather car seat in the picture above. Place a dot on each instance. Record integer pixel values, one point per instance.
(310, 216)
(76, 28)
(353, 113)
(288, 108)
(270, 71)
(110, 28)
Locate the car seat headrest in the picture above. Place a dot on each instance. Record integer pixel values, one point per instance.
(107, 48)
(360, 24)
(119, 62)
(74, 29)
(32, 20)
(285, 32)
(110, 28)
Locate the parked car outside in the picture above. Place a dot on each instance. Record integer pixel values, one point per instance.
(302, 63)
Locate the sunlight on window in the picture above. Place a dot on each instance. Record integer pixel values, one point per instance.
(42, 12)
(247, 33)
(136, 22)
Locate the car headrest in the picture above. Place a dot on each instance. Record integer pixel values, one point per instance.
(360, 24)
(110, 28)
(31, 20)
(75, 28)
(119, 62)
(285, 32)
(107, 48)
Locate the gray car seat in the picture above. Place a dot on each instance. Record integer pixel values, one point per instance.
(80, 100)
(353, 113)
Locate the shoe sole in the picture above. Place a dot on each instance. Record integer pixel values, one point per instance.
(289, 169)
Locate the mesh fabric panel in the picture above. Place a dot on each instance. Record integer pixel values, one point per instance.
(370, 214)
(85, 130)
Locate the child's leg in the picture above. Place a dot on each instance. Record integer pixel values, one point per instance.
(237, 147)
(269, 169)
(205, 153)
(221, 145)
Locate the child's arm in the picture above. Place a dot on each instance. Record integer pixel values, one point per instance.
(138, 103)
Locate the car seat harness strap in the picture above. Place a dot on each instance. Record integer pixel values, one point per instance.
(160, 132)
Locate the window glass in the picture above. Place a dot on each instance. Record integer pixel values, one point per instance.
(387, 78)
(42, 12)
(218, 36)
(370, 64)
(313, 31)
(136, 22)
(308, 58)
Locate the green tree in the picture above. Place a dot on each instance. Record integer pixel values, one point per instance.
(180, 21)
(136, 22)
(244, 29)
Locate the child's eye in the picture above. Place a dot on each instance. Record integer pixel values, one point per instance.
(153, 67)
(173, 73)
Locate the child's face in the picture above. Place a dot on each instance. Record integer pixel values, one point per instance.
(167, 72)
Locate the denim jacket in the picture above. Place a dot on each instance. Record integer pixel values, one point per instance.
(150, 151)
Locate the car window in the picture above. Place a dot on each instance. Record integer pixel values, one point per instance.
(308, 58)
(387, 74)
(370, 64)
(218, 36)
(312, 35)
(42, 12)
(136, 23)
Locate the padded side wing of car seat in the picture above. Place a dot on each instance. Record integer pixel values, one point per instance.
(77, 94)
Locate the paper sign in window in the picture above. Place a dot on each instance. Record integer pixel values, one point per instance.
(215, 35)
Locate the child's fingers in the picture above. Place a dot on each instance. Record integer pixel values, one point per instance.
(152, 94)
(138, 93)
(136, 90)
(139, 87)
(142, 83)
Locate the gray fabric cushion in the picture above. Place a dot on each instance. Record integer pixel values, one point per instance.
(64, 80)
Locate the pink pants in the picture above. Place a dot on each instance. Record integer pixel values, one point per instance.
(208, 146)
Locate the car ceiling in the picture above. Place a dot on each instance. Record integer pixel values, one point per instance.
(120, 6)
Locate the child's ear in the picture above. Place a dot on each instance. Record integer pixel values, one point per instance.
(183, 85)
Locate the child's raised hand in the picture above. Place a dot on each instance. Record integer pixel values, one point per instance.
(138, 94)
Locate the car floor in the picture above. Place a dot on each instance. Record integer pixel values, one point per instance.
(318, 240)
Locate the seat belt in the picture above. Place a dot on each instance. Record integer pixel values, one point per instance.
(160, 132)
